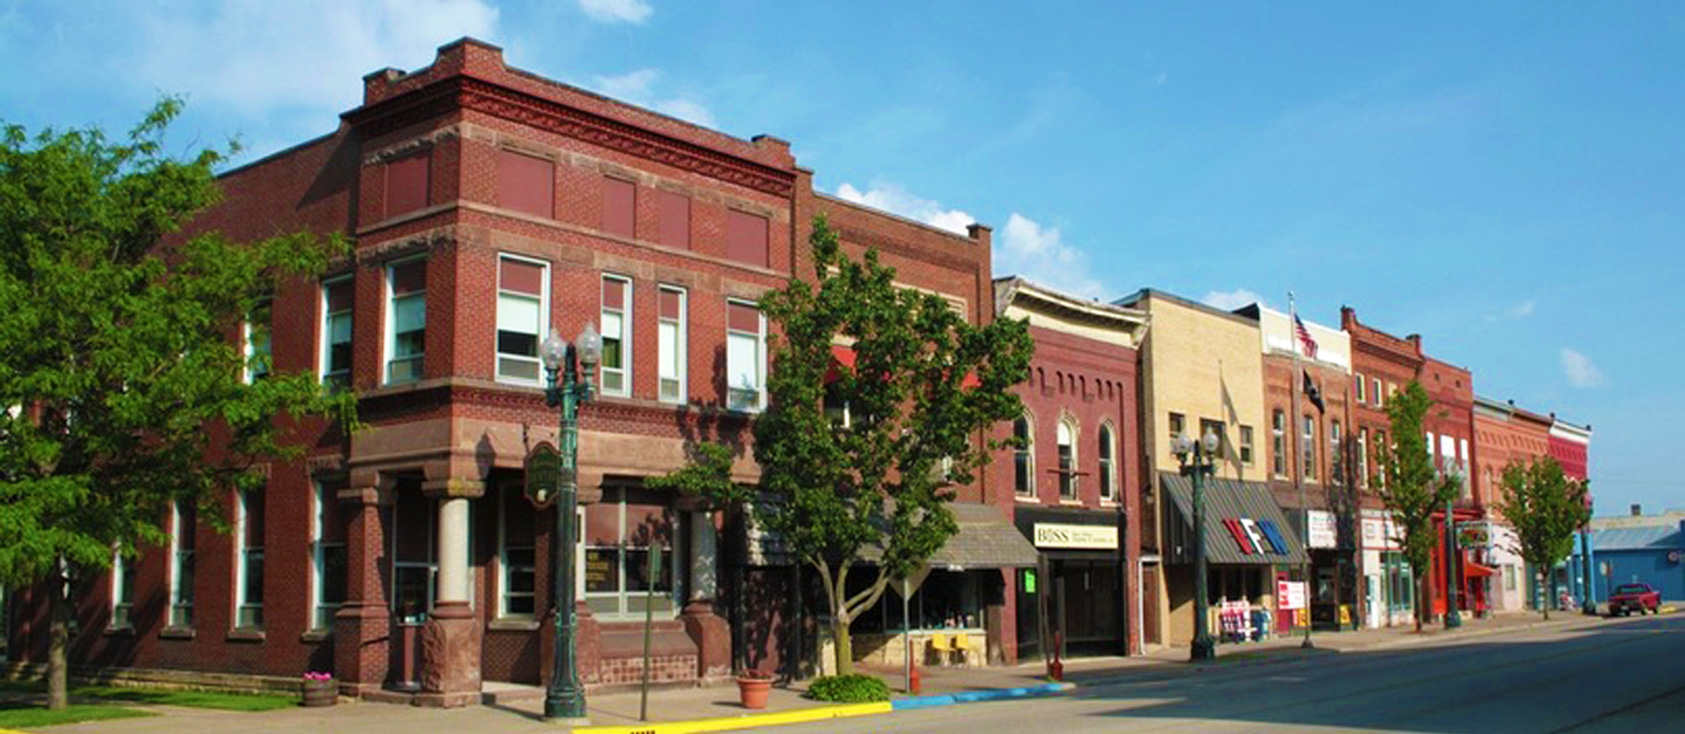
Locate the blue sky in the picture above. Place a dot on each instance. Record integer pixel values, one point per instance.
(1503, 178)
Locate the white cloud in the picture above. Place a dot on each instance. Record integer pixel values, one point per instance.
(261, 58)
(639, 88)
(1520, 310)
(1579, 370)
(1230, 300)
(894, 199)
(616, 11)
(1040, 254)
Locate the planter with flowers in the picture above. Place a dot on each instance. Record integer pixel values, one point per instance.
(753, 687)
(320, 689)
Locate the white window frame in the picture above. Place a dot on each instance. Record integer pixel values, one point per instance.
(1363, 457)
(248, 348)
(321, 614)
(1335, 459)
(1375, 397)
(543, 321)
(1281, 460)
(681, 344)
(241, 558)
(760, 358)
(1069, 491)
(325, 350)
(503, 565)
(1029, 449)
(626, 316)
(1108, 463)
(622, 597)
(177, 555)
(122, 612)
(1361, 392)
(1247, 443)
(389, 325)
(1307, 448)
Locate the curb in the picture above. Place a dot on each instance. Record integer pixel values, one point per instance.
(993, 694)
(818, 713)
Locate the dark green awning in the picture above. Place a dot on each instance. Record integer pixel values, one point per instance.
(1230, 499)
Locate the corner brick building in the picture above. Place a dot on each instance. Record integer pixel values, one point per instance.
(489, 206)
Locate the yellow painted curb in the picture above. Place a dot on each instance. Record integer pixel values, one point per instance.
(740, 722)
(1667, 610)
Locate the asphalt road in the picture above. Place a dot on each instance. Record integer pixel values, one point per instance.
(1614, 676)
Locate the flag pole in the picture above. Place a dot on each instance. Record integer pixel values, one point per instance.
(1299, 469)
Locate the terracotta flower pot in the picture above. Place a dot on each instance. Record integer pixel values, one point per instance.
(321, 693)
(753, 692)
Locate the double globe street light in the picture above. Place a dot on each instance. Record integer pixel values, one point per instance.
(1198, 460)
(565, 697)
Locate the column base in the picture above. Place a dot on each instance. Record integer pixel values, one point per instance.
(450, 655)
(712, 635)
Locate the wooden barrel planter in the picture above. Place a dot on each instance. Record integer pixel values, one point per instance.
(320, 693)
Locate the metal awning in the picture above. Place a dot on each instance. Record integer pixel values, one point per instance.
(1243, 524)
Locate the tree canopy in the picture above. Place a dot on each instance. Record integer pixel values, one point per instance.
(1411, 487)
(1544, 507)
(125, 384)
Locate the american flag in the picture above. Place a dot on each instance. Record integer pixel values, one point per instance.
(1304, 334)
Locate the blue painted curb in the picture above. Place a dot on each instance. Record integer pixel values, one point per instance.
(995, 694)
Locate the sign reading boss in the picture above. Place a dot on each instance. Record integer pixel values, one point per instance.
(1054, 535)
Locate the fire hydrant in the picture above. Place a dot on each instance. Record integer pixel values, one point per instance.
(915, 682)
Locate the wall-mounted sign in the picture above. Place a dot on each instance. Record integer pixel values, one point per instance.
(1379, 532)
(1055, 535)
(1320, 530)
(1474, 534)
(543, 474)
(1289, 594)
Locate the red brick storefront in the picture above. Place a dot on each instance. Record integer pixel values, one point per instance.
(488, 206)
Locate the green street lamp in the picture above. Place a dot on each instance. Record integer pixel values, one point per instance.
(1453, 563)
(565, 697)
(1198, 460)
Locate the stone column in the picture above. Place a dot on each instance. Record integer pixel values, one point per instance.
(450, 644)
(703, 623)
(363, 625)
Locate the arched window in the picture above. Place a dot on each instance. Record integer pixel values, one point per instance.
(1024, 457)
(1108, 480)
(1067, 460)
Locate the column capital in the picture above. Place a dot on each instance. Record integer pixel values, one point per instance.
(454, 488)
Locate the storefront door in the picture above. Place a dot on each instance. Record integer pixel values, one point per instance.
(414, 571)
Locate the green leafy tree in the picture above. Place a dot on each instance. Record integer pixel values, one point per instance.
(1545, 508)
(122, 388)
(856, 470)
(1411, 488)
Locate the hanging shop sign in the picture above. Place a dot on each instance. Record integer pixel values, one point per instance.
(1474, 534)
(1091, 537)
(543, 474)
(1320, 529)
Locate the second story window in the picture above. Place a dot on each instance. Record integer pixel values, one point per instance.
(1358, 385)
(406, 320)
(522, 317)
(1108, 476)
(336, 331)
(255, 336)
(1246, 445)
(1066, 437)
(617, 341)
(1278, 443)
(745, 356)
(1363, 457)
(1024, 457)
(1307, 440)
(1178, 424)
(1336, 466)
(670, 339)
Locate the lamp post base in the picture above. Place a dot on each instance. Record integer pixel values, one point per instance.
(1453, 621)
(564, 710)
(1204, 648)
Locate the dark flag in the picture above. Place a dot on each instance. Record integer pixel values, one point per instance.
(1313, 393)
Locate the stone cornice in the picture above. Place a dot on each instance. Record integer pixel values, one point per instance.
(459, 92)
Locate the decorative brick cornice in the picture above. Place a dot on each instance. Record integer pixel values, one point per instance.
(482, 96)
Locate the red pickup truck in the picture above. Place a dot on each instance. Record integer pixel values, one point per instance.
(1628, 597)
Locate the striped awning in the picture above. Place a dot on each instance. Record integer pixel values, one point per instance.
(1243, 524)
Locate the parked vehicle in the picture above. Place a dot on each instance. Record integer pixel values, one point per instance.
(1629, 597)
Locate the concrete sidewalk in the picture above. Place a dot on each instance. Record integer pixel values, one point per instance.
(684, 704)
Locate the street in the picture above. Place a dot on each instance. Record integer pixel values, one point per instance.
(1618, 676)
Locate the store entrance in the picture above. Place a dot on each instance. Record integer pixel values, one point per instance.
(1088, 606)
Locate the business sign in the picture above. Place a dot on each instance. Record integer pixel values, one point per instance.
(1673, 556)
(1095, 537)
(1474, 534)
(1289, 594)
(544, 474)
(1320, 529)
(1379, 532)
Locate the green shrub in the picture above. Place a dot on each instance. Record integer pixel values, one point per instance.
(855, 688)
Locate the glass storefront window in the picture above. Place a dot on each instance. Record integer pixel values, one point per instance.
(619, 532)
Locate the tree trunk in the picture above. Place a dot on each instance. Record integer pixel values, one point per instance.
(1421, 600)
(844, 650)
(58, 667)
(1550, 598)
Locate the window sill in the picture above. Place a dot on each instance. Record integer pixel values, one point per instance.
(177, 633)
(512, 624)
(246, 634)
(1027, 498)
(1070, 503)
(124, 631)
(315, 635)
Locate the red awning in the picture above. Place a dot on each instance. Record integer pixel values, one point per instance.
(1474, 570)
(842, 357)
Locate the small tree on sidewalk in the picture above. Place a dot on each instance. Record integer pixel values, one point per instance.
(1545, 508)
(856, 464)
(1411, 488)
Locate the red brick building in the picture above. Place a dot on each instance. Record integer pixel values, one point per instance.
(1504, 434)
(1073, 489)
(1384, 363)
(489, 206)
